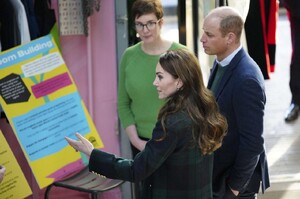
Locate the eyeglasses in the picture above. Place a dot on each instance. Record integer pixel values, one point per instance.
(149, 25)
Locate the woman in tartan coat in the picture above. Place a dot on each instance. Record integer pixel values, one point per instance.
(177, 160)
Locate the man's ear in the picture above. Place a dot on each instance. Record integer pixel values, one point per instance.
(231, 37)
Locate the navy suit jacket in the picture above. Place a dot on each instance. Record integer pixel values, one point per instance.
(241, 161)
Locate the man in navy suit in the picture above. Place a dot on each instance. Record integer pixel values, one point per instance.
(240, 165)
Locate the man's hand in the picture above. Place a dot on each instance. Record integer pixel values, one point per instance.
(235, 192)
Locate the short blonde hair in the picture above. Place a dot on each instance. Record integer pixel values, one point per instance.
(231, 20)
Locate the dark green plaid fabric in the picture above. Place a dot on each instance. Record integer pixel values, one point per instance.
(170, 169)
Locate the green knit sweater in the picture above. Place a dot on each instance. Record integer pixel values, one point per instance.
(138, 101)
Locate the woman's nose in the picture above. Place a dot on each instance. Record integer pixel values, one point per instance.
(155, 82)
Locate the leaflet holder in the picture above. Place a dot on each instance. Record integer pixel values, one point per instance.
(85, 181)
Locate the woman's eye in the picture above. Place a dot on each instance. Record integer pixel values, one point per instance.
(138, 25)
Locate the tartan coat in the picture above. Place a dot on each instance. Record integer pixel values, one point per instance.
(172, 168)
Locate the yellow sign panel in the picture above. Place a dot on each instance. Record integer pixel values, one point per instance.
(14, 184)
(43, 106)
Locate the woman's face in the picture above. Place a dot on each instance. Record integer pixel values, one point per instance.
(165, 83)
(148, 27)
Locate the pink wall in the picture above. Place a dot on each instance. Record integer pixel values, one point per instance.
(92, 62)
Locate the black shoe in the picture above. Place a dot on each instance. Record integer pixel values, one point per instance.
(292, 113)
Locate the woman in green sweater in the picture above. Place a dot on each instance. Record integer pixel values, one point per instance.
(138, 104)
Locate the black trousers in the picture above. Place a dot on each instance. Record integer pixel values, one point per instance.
(294, 19)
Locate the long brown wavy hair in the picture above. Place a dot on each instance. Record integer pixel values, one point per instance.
(209, 125)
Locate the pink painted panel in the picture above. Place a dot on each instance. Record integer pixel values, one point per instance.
(92, 62)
